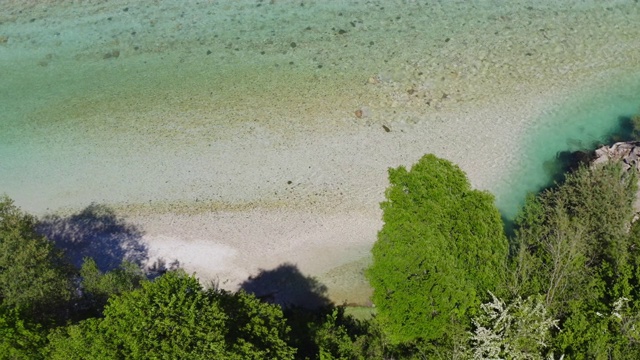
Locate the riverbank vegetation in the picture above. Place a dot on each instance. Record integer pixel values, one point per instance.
(448, 284)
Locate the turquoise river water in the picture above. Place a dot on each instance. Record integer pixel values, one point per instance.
(88, 90)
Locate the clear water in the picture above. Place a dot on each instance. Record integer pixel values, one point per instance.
(584, 121)
(159, 105)
(91, 93)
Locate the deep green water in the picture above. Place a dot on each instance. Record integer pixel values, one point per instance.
(582, 122)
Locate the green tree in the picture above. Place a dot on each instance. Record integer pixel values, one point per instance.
(576, 250)
(19, 339)
(97, 287)
(174, 318)
(441, 248)
(601, 332)
(574, 242)
(340, 337)
(255, 329)
(34, 276)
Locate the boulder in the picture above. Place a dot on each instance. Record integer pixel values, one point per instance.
(628, 153)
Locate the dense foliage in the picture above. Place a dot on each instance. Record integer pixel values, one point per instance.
(568, 288)
(576, 249)
(174, 318)
(97, 286)
(574, 239)
(572, 287)
(441, 248)
(34, 277)
(48, 309)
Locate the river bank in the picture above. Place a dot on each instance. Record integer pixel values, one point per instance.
(243, 136)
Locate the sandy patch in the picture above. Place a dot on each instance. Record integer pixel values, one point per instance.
(229, 247)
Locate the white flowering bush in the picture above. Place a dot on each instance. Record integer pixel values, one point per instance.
(517, 331)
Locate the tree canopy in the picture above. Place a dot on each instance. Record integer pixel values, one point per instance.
(441, 248)
(576, 249)
(34, 276)
(174, 318)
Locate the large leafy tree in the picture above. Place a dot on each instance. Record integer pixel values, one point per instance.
(35, 279)
(441, 248)
(174, 318)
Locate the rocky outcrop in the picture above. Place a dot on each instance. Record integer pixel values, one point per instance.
(628, 153)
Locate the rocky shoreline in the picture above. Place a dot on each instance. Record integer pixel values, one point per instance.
(628, 153)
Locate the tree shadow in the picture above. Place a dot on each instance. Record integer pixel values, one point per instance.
(160, 267)
(287, 287)
(627, 129)
(96, 232)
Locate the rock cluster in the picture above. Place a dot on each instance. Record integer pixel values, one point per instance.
(628, 153)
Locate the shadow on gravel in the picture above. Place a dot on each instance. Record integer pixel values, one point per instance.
(96, 232)
(287, 287)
